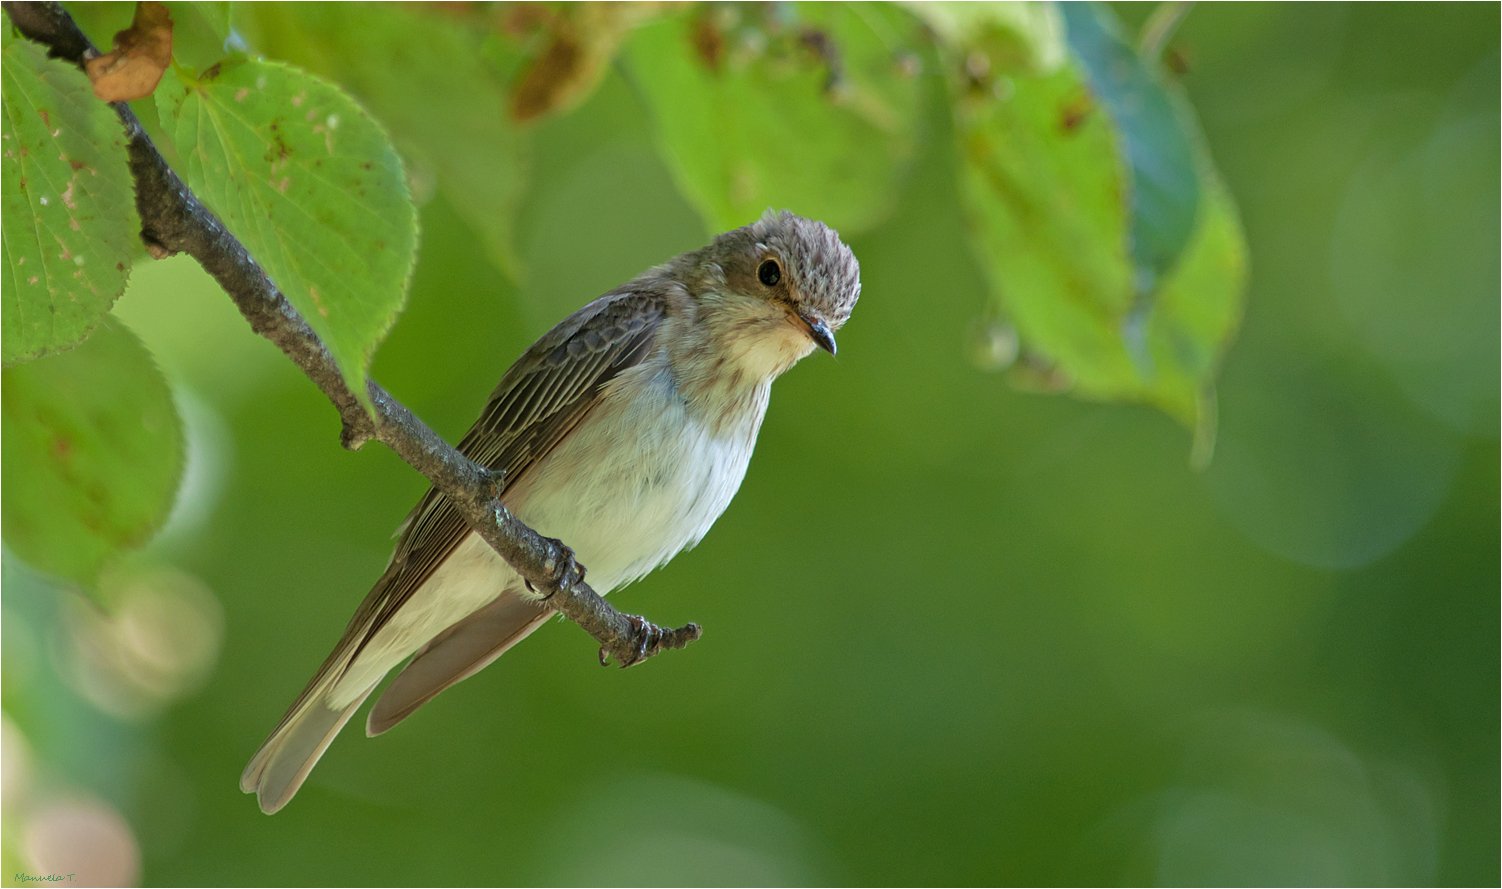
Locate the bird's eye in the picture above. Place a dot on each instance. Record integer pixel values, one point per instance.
(769, 272)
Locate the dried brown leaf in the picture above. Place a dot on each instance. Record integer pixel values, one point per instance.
(709, 43)
(562, 69)
(582, 39)
(142, 53)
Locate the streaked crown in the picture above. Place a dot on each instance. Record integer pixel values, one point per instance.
(822, 273)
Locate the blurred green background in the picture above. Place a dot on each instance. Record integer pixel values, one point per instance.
(954, 634)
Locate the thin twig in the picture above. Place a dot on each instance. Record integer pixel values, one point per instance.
(174, 221)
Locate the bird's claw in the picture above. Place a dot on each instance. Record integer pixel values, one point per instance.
(564, 570)
(645, 636)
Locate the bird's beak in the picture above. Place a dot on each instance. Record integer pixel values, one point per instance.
(818, 331)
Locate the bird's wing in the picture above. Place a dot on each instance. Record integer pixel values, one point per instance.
(539, 401)
(544, 395)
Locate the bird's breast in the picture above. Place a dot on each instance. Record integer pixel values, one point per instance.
(644, 476)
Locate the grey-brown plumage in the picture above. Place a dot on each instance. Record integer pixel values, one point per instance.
(623, 431)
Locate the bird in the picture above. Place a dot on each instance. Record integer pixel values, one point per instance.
(624, 431)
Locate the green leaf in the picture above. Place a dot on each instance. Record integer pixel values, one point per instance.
(1195, 314)
(1044, 195)
(69, 210)
(1047, 193)
(202, 34)
(92, 453)
(215, 14)
(1163, 185)
(425, 77)
(310, 184)
(815, 112)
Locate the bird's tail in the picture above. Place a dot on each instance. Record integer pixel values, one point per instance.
(456, 654)
(289, 754)
(463, 649)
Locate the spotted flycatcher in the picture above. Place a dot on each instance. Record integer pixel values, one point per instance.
(624, 431)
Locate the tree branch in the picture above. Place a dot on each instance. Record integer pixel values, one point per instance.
(173, 221)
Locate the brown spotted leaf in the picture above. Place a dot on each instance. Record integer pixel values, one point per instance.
(69, 214)
(311, 185)
(437, 84)
(815, 107)
(93, 452)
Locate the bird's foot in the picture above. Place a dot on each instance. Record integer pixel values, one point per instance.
(646, 639)
(563, 569)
